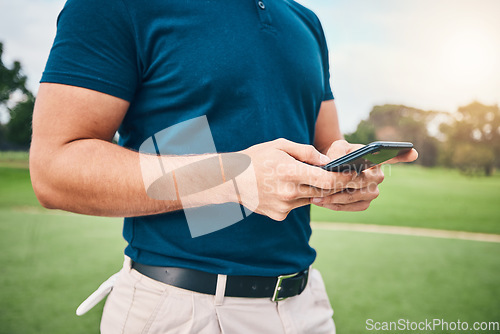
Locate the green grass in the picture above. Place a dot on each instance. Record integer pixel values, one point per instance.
(431, 198)
(15, 189)
(51, 261)
(14, 159)
(50, 264)
(14, 156)
(389, 277)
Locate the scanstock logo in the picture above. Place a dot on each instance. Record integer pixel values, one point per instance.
(181, 163)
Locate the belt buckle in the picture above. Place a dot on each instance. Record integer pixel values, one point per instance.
(277, 289)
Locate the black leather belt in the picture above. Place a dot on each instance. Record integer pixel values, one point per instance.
(276, 288)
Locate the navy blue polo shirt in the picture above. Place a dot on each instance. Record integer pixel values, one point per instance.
(258, 70)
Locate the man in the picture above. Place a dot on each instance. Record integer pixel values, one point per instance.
(258, 71)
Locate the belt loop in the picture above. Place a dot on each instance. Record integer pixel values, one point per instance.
(220, 290)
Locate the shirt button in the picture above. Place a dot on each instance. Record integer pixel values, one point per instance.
(262, 5)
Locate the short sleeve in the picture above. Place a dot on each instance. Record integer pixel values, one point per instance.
(328, 95)
(95, 48)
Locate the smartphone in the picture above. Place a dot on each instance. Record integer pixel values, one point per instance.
(368, 156)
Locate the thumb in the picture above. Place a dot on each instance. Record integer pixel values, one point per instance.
(303, 153)
(340, 148)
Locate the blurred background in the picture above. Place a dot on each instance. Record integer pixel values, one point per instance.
(429, 247)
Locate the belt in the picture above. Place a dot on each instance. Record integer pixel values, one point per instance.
(276, 288)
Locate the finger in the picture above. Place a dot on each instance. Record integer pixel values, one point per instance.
(349, 196)
(320, 178)
(374, 174)
(367, 178)
(291, 191)
(304, 153)
(281, 210)
(409, 156)
(336, 182)
(358, 206)
(300, 202)
(306, 191)
(338, 148)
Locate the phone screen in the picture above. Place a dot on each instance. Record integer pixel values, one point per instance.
(368, 156)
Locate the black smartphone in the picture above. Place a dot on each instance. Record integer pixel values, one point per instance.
(368, 156)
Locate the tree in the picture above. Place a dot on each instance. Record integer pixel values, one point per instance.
(18, 101)
(19, 126)
(11, 80)
(400, 123)
(364, 134)
(473, 158)
(473, 138)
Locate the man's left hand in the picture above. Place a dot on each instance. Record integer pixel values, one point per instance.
(357, 198)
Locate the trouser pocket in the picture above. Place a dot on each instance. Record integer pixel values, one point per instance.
(132, 305)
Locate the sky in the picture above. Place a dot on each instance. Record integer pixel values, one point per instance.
(429, 54)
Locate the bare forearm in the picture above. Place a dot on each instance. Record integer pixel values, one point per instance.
(324, 148)
(327, 127)
(96, 177)
(74, 166)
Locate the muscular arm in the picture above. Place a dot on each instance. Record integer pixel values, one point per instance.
(75, 167)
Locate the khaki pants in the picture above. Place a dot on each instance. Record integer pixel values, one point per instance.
(139, 305)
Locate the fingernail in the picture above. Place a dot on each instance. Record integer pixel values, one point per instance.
(317, 200)
(324, 159)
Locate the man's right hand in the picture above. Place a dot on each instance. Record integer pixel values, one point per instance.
(287, 177)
